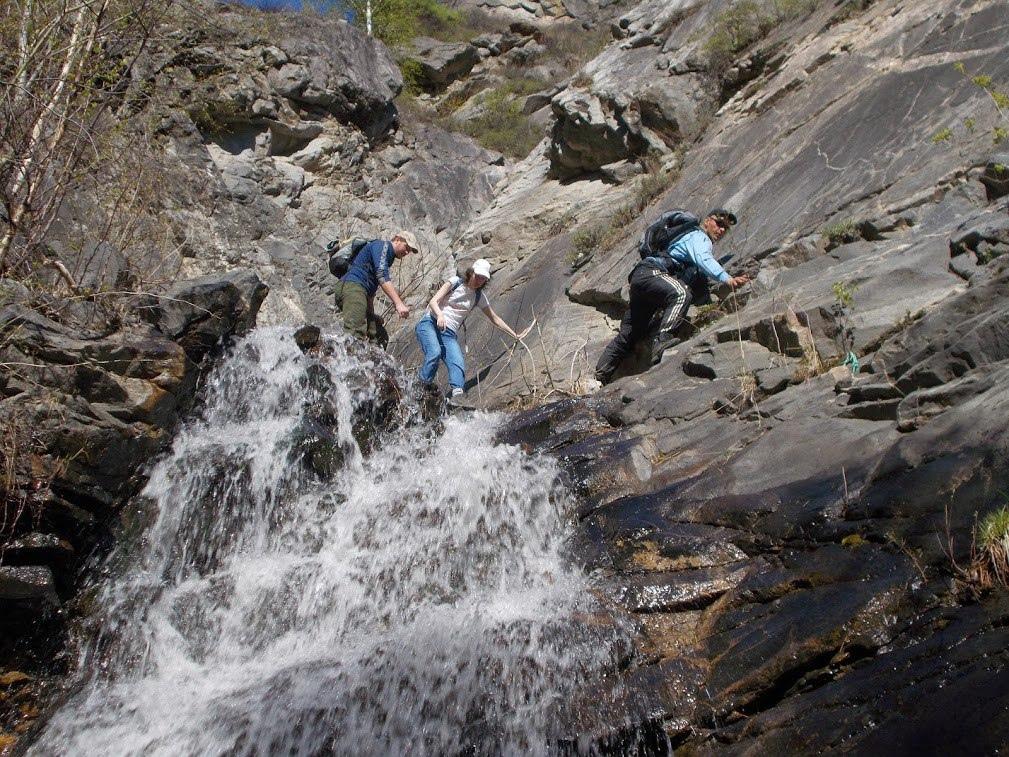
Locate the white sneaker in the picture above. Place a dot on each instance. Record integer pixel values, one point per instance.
(591, 386)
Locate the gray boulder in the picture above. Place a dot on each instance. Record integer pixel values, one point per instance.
(589, 133)
(199, 313)
(442, 63)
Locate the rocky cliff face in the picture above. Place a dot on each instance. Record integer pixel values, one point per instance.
(795, 540)
(279, 134)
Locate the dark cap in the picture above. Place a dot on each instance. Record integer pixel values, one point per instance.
(724, 217)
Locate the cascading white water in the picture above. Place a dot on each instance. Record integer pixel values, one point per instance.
(417, 603)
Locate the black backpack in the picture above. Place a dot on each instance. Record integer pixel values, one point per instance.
(341, 254)
(671, 226)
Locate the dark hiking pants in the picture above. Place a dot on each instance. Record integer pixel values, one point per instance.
(352, 301)
(652, 291)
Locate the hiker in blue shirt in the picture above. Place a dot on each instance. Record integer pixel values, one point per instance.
(663, 283)
(369, 272)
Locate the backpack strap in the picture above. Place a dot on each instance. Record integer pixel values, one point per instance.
(479, 292)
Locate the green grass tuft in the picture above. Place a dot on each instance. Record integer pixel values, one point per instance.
(993, 530)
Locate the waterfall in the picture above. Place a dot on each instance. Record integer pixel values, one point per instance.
(415, 599)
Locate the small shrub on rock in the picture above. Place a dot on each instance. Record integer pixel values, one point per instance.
(503, 126)
(738, 27)
(842, 232)
(993, 540)
(587, 240)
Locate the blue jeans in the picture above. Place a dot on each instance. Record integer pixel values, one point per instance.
(440, 345)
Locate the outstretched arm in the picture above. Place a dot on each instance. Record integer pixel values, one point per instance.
(500, 324)
(390, 291)
(380, 259)
(699, 248)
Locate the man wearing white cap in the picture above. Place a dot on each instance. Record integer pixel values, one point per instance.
(437, 331)
(355, 295)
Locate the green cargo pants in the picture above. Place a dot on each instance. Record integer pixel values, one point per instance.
(358, 319)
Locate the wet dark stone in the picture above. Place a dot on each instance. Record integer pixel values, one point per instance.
(645, 711)
(38, 549)
(27, 595)
(944, 692)
(879, 410)
(308, 337)
(673, 591)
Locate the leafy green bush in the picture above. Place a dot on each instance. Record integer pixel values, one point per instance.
(503, 126)
(739, 26)
(396, 22)
(735, 29)
(413, 76)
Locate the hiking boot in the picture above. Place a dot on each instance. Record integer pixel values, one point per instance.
(660, 345)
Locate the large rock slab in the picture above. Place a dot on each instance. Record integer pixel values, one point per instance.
(441, 63)
(199, 313)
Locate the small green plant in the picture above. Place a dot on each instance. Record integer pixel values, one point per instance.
(843, 293)
(586, 241)
(840, 232)
(853, 541)
(1000, 99)
(214, 117)
(733, 30)
(990, 552)
(651, 186)
(844, 332)
(739, 26)
(413, 76)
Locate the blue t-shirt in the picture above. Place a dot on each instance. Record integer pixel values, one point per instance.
(693, 252)
(371, 266)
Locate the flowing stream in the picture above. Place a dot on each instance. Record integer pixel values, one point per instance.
(415, 600)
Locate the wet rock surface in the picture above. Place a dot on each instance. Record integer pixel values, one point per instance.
(806, 565)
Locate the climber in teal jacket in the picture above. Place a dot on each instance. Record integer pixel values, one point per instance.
(664, 283)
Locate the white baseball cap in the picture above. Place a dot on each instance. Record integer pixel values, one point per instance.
(482, 268)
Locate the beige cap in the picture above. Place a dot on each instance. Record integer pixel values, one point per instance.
(410, 239)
